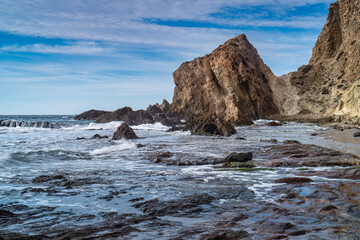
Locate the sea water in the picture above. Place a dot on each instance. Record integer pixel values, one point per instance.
(100, 167)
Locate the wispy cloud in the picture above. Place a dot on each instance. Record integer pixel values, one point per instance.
(80, 48)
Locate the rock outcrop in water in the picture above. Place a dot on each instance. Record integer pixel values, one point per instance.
(330, 82)
(229, 85)
(124, 131)
(154, 113)
(40, 124)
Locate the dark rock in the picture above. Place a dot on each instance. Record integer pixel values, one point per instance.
(291, 142)
(356, 134)
(90, 115)
(187, 205)
(6, 214)
(124, 131)
(97, 136)
(225, 235)
(293, 180)
(159, 157)
(152, 109)
(47, 178)
(240, 138)
(117, 115)
(139, 145)
(269, 141)
(206, 126)
(238, 157)
(306, 155)
(274, 124)
(80, 138)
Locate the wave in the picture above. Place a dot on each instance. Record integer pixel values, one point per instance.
(119, 147)
(263, 121)
(154, 127)
(95, 126)
(40, 124)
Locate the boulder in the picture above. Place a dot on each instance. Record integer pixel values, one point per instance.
(238, 157)
(124, 131)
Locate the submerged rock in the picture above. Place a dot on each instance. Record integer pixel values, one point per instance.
(124, 131)
(356, 134)
(98, 136)
(293, 180)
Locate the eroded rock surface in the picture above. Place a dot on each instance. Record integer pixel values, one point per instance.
(229, 85)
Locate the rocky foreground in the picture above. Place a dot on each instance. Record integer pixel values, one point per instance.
(302, 202)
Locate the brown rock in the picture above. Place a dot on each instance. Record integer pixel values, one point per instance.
(330, 82)
(124, 131)
(274, 124)
(293, 180)
(229, 85)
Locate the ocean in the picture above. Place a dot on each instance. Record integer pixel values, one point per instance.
(54, 182)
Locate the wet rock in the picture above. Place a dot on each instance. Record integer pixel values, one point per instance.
(139, 145)
(47, 178)
(274, 124)
(269, 141)
(329, 209)
(207, 126)
(80, 138)
(239, 157)
(124, 131)
(240, 138)
(187, 205)
(304, 155)
(177, 128)
(356, 134)
(90, 115)
(291, 142)
(267, 226)
(182, 159)
(159, 157)
(293, 180)
(225, 235)
(6, 214)
(98, 136)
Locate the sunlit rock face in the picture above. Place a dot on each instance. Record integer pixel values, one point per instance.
(231, 85)
(330, 82)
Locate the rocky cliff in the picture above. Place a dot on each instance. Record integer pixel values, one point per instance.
(229, 85)
(330, 82)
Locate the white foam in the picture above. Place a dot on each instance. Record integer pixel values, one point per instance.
(263, 121)
(115, 148)
(154, 127)
(96, 126)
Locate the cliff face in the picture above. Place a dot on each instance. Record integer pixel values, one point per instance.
(231, 84)
(330, 83)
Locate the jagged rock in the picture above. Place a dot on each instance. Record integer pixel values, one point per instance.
(238, 157)
(231, 85)
(90, 115)
(330, 82)
(124, 131)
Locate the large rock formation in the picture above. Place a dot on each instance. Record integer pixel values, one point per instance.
(330, 82)
(229, 85)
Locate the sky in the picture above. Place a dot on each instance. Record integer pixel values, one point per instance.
(69, 56)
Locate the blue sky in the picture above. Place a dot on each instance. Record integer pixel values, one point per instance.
(68, 56)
